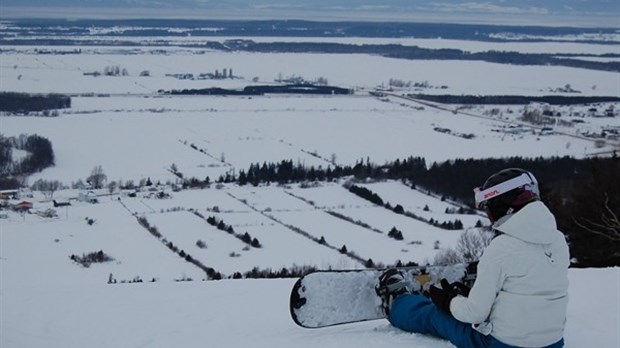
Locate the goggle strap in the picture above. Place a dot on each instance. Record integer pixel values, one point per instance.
(501, 188)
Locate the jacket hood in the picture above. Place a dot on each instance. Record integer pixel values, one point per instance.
(534, 223)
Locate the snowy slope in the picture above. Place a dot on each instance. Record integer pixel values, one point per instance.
(48, 300)
(247, 313)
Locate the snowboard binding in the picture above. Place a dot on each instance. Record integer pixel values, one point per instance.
(392, 283)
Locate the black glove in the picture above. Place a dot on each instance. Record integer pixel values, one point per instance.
(442, 297)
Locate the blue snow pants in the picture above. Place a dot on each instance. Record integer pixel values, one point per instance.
(416, 313)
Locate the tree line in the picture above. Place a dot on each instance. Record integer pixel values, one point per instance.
(305, 88)
(24, 102)
(413, 52)
(368, 195)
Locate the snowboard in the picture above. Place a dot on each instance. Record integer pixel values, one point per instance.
(335, 297)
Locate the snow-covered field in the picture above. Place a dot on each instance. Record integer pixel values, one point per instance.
(131, 140)
(48, 300)
(41, 73)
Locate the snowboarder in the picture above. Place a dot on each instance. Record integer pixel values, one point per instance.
(519, 298)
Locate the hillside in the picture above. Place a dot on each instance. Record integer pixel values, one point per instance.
(60, 311)
(49, 300)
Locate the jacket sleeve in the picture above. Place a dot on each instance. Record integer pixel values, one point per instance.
(476, 308)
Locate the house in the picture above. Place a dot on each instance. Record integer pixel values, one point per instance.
(60, 204)
(593, 112)
(610, 112)
(515, 129)
(9, 194)
(546, 131)
(129, 193)
(545, 107)
(48, 213)
(88, 196)
(25, 192)
(22, 206)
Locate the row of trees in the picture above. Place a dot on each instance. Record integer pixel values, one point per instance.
(415, 52)
(288, 171)
(246, 237)
(266, 89)
(209, 271)
(368, 195)
(24, 102)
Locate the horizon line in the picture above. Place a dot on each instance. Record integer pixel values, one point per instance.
(106, 13)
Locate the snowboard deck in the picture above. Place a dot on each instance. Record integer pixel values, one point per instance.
(335, 297)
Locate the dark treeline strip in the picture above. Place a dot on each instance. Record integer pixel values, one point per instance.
(272, 28)
(513, 99)
(390, 50)
(287, 171)
(456, 179)
(24, 102)
(262, 90)
(412, 52)
(398, 209)
(453, 179)
(246, 237)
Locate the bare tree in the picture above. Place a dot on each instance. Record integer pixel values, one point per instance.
(112, 187)
(97, 177)
(471, 244)
(608, 226)
(47, 187)
(447, 257)
(469, 248)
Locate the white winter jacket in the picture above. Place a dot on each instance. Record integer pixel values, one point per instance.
(520, 294)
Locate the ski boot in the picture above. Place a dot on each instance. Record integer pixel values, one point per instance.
(392, 283)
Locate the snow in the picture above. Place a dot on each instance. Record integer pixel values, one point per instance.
(548, 45)
(236, 313)
(193, 133)
(268, 129)
(47, 300)
(26, 71)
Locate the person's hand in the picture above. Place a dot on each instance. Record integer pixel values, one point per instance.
(442, 297)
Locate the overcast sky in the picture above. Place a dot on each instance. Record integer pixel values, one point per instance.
(541, 12)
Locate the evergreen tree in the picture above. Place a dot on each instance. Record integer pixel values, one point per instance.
(369, 264)
(243, 179)
(255, 243)
(398, 209)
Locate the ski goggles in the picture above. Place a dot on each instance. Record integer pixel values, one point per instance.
(481, 196)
